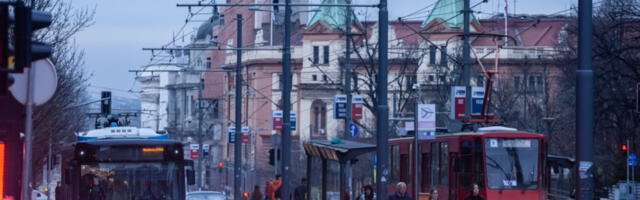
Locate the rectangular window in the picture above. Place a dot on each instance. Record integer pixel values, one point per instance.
(425, 170)
(432, 54)
(480, 80)
(325, 78)
(539, 84)
(532, 83)
(316, 114)
(431, 78)
(435, 163)
(323, 116)
(326, 55)
(443, 55)
(314, 77)
(395, 163)
(208, 63)
(516, 83)
(477, 162)
(411, 79)
(443, 177)
(466, 175)
(316, 55)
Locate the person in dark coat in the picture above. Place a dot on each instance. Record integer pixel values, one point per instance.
(256, 194)
(401, 192)
(300, 192)
(475, 195)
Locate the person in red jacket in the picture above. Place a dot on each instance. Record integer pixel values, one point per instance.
(273, 187)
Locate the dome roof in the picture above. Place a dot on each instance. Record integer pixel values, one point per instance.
(206, 28)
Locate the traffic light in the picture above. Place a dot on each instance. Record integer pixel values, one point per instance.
(26, 22)
(272, 156)
(624, 148)
(220, 165)
(5, 79)
(105, 103)
(245, 195)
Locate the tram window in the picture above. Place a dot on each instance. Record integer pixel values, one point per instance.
(444, 164)
(424, 182)
(395, 158)
(434, 163)
(478, 166)
(405, 167)
(466, 175)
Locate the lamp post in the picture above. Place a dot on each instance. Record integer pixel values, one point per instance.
(548, 121)
(416, 86)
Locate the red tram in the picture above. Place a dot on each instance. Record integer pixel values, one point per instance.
(504, 162)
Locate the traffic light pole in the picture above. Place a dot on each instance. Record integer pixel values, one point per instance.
(382, 109)
(28, 136)
(584, 102)
(237, 145)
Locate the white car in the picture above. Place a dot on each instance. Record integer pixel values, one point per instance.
(206, 195)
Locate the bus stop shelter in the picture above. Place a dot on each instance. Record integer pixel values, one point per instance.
(342, 151)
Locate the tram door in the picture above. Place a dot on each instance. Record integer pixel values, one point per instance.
(454, 177)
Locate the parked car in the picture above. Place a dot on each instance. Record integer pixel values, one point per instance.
(206, 195)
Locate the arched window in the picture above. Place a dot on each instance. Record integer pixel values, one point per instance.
(318, 117)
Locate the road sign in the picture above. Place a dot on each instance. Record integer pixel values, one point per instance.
(633, 161)
(231, 134)
(245, 134)
(195, 150)
(477, 99)
(292, 119)
(426, 121)
(45, 81)
(458, 94)
(353, 128)
(356, 106)
(339, 106)
(205, 149)
(276, 120)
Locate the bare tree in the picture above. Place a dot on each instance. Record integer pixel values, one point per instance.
(60, 118)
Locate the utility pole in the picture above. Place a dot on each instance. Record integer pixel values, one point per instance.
(416, 151)
(584, 102)
(237, 145)
(200, 136)
(286, 102)
(382, 109)
(347, 91)
(466, 68)
(347, 76)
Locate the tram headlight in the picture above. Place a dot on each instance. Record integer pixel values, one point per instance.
(81, 153)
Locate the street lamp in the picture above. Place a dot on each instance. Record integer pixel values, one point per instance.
(416, 86)
(272, 13)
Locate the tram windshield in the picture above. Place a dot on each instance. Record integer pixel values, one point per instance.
(148, 180)
(512, 163)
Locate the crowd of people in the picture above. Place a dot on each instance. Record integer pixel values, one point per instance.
(273, 192)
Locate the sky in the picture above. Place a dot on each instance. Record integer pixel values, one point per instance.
(113, 44)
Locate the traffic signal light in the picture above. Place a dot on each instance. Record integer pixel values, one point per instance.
(220, 165)
(245, 195)
(624, 148)
(26, 22)
(5, 79)
(272, 156)
(105, 103)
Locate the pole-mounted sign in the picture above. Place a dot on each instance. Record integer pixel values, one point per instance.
(426, 121)
(276, 120)
(339, 106)
(356, 106)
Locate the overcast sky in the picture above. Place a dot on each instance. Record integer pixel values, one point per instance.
(113, 45)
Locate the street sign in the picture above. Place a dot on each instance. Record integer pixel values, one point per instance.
(245, 134)
(426, 121)
(477, 99)
(292, 119)
(353, 128)
(231, 134)
(356, 106)
(339, 106)
(194, 151)
(458, 95)
(633, 161)
(276, 120)
(205, 149)
(45, 81)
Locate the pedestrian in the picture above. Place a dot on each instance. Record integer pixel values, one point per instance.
(367, 193)
(300, 192)
(433, 194)
(401, 192)
(274, 186)
(475, 195)
(58, 191)
(256, 195)
(267, 191)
